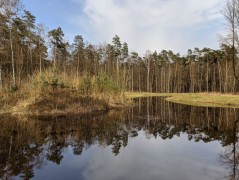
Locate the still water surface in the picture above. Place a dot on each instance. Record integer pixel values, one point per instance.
(154, 139)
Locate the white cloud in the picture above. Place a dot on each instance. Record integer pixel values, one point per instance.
(154, 24)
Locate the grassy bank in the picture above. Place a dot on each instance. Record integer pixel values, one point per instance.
(51, 93)
(65, 102)
(195, 99)
(62, 102)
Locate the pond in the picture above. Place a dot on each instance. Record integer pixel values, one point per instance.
(155, 139)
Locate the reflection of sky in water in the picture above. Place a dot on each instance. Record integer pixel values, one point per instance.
(143, 159)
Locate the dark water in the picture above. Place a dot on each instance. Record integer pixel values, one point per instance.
(153, 140)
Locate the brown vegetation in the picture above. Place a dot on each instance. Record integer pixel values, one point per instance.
(59, 103)
(50, 93)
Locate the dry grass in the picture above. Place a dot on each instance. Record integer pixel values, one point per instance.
(61, 102)
(195, 99)
(145, 94)
(54, 93)
(66, 102)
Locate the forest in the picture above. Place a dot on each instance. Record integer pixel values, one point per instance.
(29, 55)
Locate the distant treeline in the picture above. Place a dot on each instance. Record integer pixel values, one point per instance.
(26, 48)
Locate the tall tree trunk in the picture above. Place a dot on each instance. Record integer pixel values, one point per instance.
(226, 78)
(199, 82)
(220, 76)
(207, 77)
(161, 80)
(169, 74)
(30, 49)
(175, 78)
(117, 70)
(214, 79)
(191, 78)
(1, 77)
(233, 39)
(40, 58)
(139, 81)
(77, 68)
(54, 57)
(132, 76)
(156, 81)
(13, 62)
(124, 78)
(96, 66)
(148, 71)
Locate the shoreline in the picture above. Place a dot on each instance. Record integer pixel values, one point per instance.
(64, 103)
(194, 99)
(69, 103)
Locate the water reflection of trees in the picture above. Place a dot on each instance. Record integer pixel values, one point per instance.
(30, 144)
(166, 119)
(230, 156)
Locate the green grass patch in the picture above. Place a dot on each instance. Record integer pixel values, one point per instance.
(195, 99)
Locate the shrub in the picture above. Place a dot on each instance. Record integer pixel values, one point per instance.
(52, 79)
(106, 84)
(49, 79)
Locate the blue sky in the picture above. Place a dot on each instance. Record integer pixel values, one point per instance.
(55, 13)
(144, 24)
